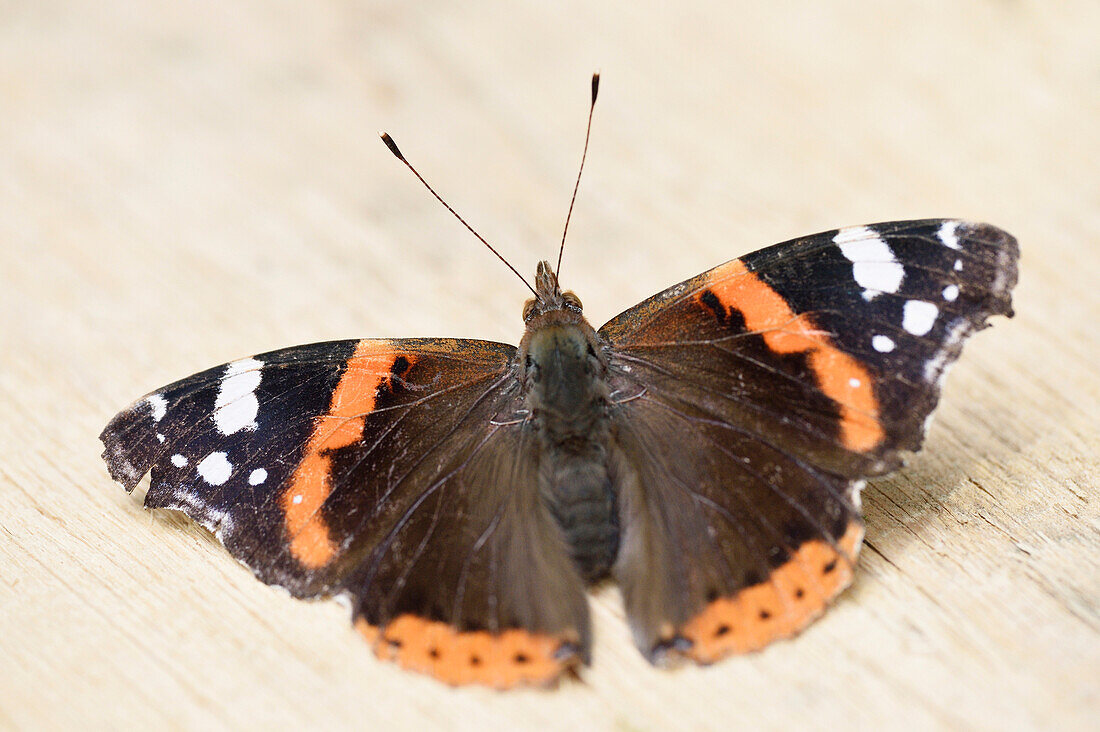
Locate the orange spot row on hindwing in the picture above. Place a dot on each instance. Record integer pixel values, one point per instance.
(792, 596)
(341, 425)
(841, 377)
(501, 660)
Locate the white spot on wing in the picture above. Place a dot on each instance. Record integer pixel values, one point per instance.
(873, 264)
(854, 382)
(193, 505)
(948, 234)
(918, 317)
(215, 468)
(179, 460)
(160, 437)
(855, 493)
(245, 365)
(297, 499)
(935, 368)
(1004, 264)
(123, 465)
(882, 344)
(950, 293)
(236, 405)
(958, 265)
(344, 600)
(257, 476)
(159, 405)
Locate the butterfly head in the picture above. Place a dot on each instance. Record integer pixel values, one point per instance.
(550, 296)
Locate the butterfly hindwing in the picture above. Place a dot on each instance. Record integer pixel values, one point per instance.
(728, 541)
(393, 472)
(787, 377)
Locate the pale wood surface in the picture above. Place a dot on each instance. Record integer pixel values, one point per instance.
(182, 184)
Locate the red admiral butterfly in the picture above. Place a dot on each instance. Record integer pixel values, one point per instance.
(705, 449)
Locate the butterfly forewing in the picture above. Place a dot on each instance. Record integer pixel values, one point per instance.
(834, 343)
(222, 446)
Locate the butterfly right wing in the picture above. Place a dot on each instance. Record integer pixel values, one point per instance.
(785, 377)
(393, 472)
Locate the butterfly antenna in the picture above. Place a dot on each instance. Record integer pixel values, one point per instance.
(397, 153)
(587, 133)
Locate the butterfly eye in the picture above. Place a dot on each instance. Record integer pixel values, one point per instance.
(571, 301)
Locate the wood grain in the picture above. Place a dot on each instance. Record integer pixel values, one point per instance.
(182, 184)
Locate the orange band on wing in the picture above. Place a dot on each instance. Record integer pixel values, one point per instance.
(502, 660)
(841, 377)
(342, 425)
(792, 596)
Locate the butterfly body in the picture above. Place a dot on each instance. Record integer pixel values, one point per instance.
(705, 449)
(568, 399)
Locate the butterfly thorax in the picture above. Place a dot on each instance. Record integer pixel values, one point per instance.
(565, 383)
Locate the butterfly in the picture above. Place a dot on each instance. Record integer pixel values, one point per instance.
(705, 449)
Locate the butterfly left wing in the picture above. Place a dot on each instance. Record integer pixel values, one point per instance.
(786, 377)
(393, 472)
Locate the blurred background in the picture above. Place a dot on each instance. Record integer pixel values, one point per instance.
(182, 184)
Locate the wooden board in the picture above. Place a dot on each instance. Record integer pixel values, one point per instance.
(182, 184)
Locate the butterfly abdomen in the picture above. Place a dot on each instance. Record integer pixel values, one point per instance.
(577, 489)
(567, 393)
